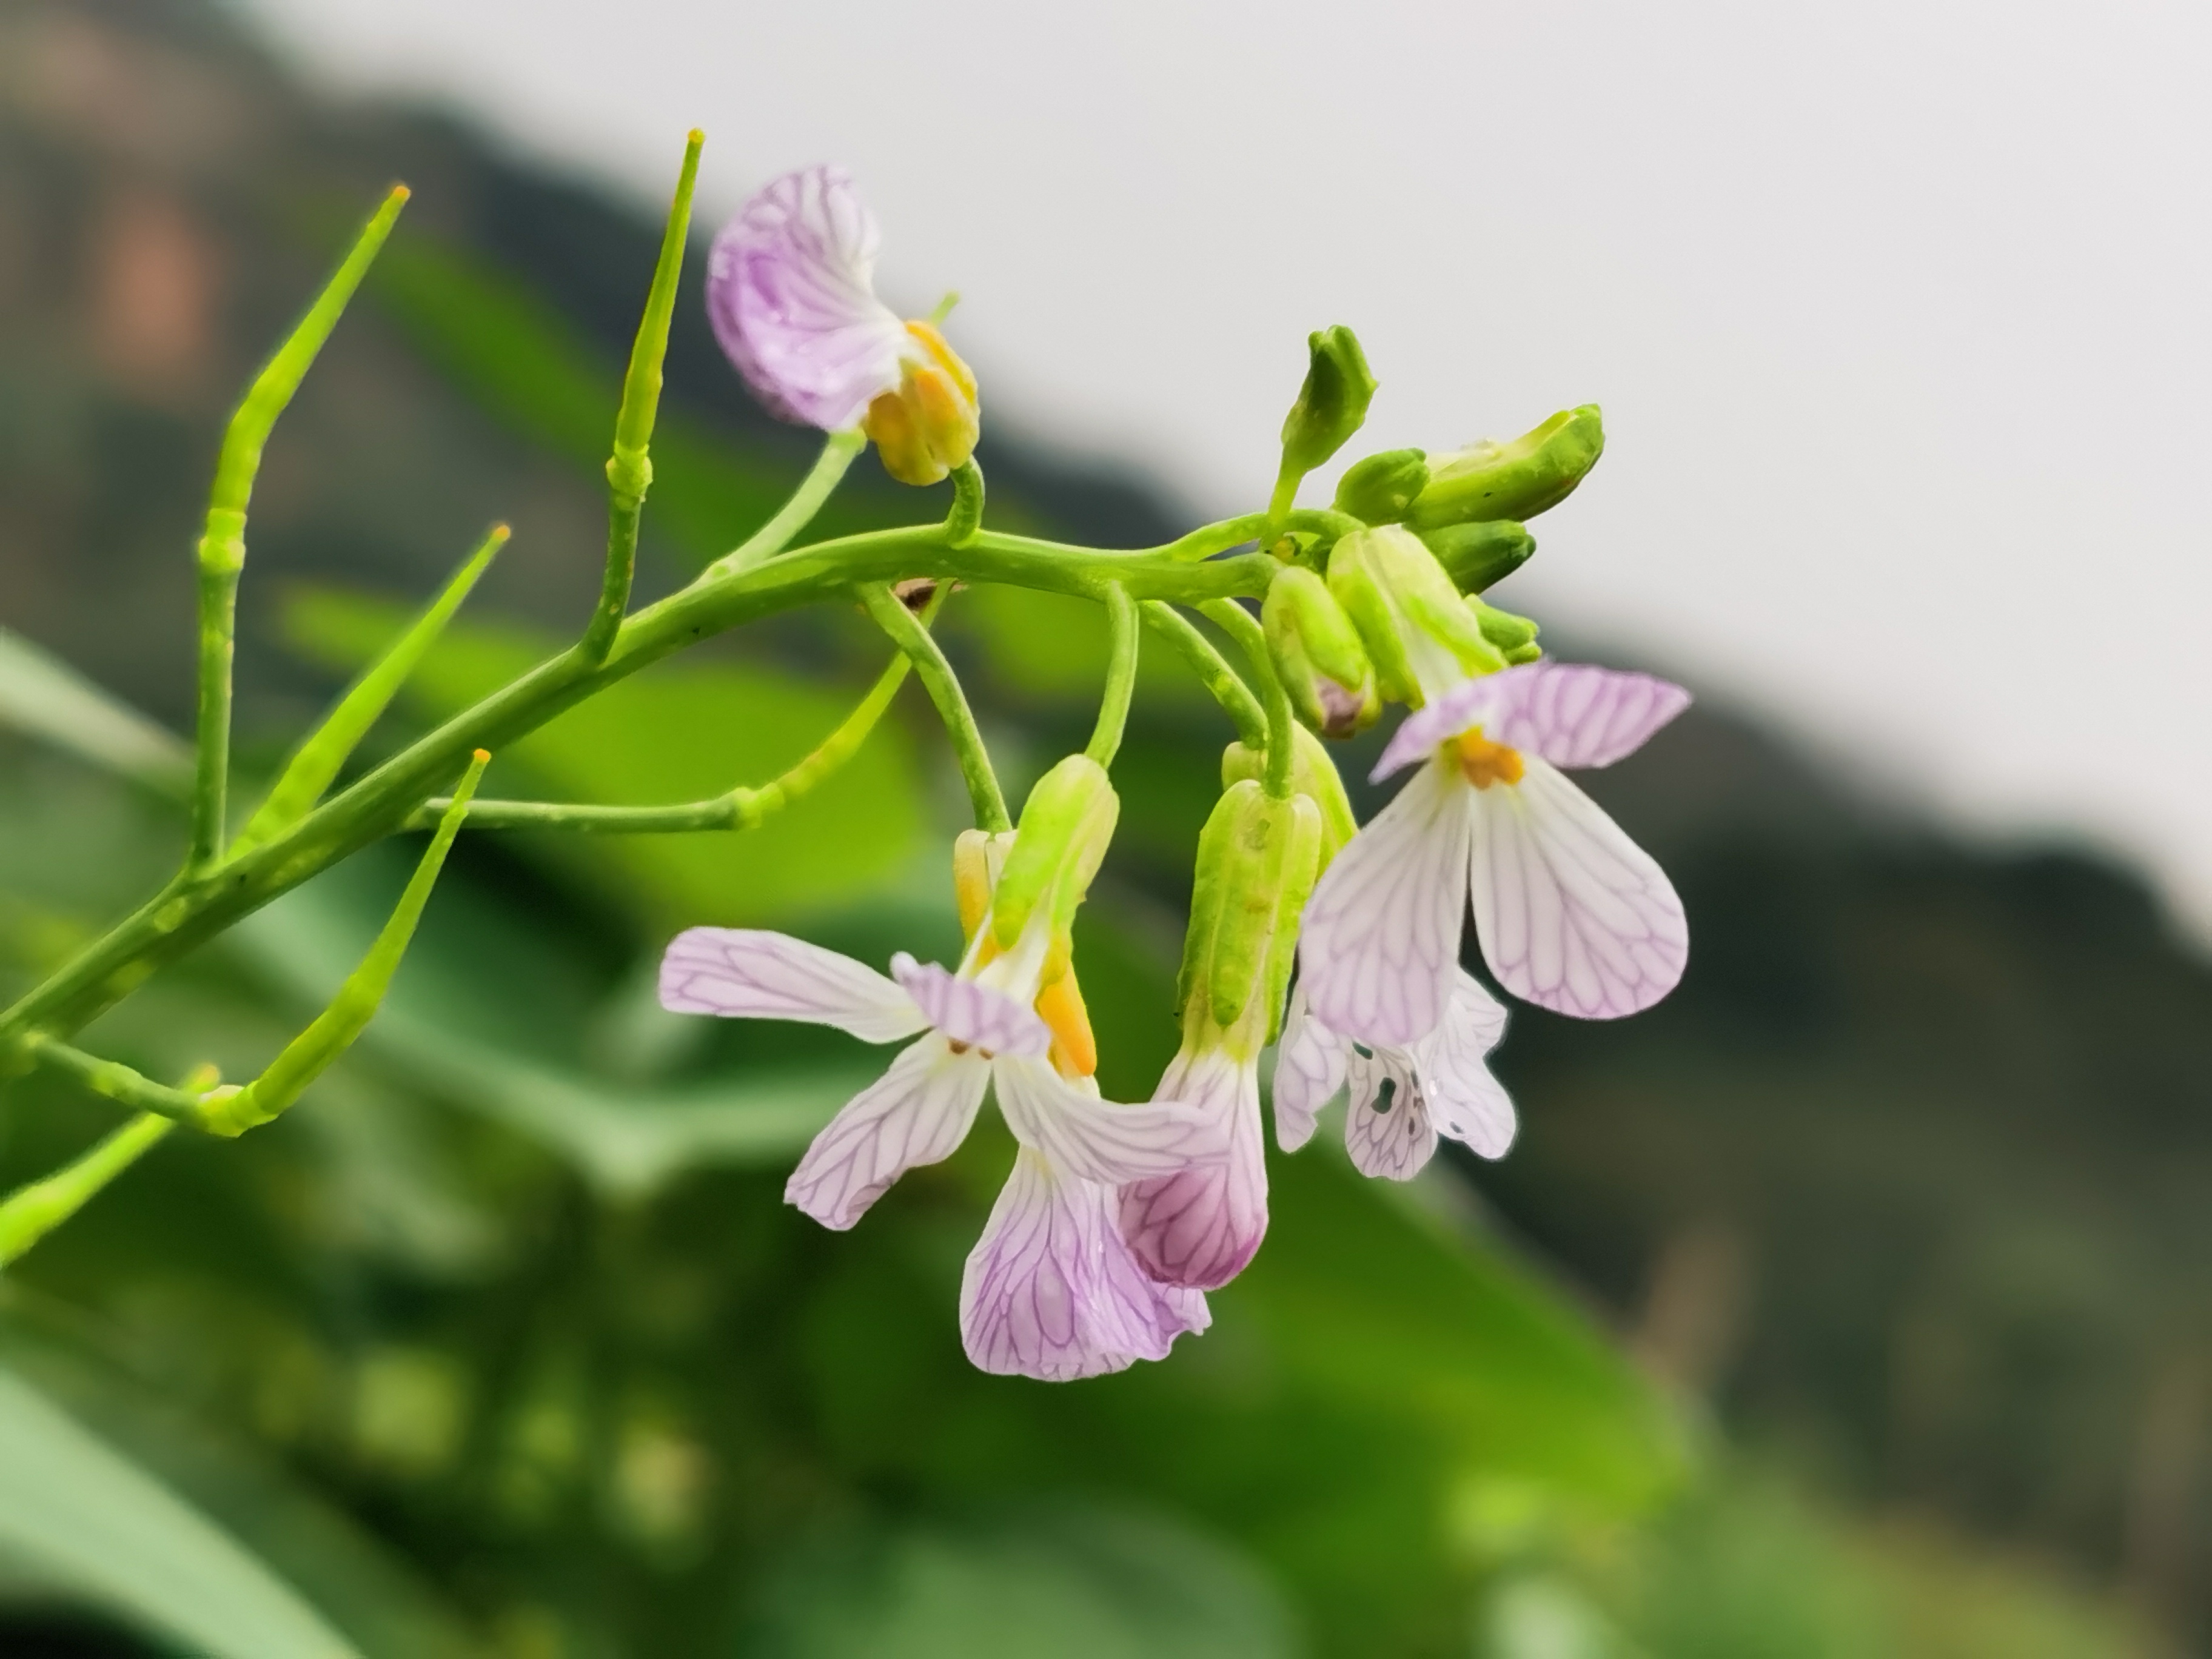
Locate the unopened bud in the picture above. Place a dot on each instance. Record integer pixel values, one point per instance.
(1066, 825)
(1258, 857)
(1313, 774)
(1417, 630)
(929, 424)
(1475, 555)
(1317, 653)
(1382, 488)
(1331, 404)
(1517, 480)
(1513, 636)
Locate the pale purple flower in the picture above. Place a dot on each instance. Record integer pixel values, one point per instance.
(791, 292)
(1402, 1098)
(1200, 1226)
(1051, 1290)
(1571, 914)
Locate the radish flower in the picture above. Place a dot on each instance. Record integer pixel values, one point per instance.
(791, 293)
(1571, 914)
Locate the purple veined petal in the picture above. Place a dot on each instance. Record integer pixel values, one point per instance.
(791, 293)
(1309, 1071)
(1381, 935)
(744, 973)
(1051, 1291)
(918, 1112)
(1199, 1227)
(1464, 1100)
(1572, 916)
(967, 1012)
(1468, 703)
(1578, 714)
(1082, 1135)
(1387, 1128)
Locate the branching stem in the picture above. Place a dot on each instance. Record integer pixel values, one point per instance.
(942, 685)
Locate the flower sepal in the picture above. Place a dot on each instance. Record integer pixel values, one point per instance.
(927, 424)
(1313, 774)
(1318, 656)
(1258, 857)
(1066, 823)
(1418, 632)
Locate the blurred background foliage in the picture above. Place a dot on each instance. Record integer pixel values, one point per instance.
(1851, 1304)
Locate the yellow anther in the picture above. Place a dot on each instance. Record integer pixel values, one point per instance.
(1074, 1048)
(930, 423)
(1485, 762)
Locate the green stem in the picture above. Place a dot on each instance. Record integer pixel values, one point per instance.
(629, 468)
(921, 648)
(1226, 686)
(839, 451)
(223, 540)
(308, 1055)
(30, 1213)
(740, 809)
(201, 904)
(966, 517)
(1282, 725)
(1120, 676)
(117, 1081)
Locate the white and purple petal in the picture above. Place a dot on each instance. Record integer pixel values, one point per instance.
(1380, 940)
(1103, 1140)
(918, 1112)
(791, 293)
(1577, 714)
(1387, 1126)
(1468, 703)
(1052, 1291)
(1309, 1071)
(1572, 915)
(1463, 1099)
(744, 973)
(1200, 1226)
(971, 1013)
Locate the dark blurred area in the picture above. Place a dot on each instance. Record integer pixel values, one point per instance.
(1902, 1193)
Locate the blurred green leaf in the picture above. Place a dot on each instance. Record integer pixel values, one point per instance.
(626, 1138)
(44, 696)
(512, 352)
(678, 731)
(1074, 1584)
(82, 1517)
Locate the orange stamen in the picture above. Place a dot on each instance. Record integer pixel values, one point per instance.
(1074, 1048)
(1485, 762)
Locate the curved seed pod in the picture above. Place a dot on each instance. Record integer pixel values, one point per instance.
(1537, 470)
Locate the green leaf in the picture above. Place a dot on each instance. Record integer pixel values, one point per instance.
(1076, 1584)
(44, 696)
(78, 1515)
(679, 731)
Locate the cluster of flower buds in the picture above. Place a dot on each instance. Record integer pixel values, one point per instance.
(1117, 1218)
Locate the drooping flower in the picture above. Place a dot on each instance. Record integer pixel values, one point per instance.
(1571, 914)
(1402, 1098)
(791, 293)
(1051, 1290)
(1257, 858)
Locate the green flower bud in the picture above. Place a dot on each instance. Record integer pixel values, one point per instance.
(1331, 404)
(1418, 632)
(1258, 858)
(1317, 653)
(1476, 555)
(1518, 480)
(1066, 825)
(1379, 489)
(1313, 774)
(1508, 632)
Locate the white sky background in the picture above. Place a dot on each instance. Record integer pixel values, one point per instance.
(1897, 309)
